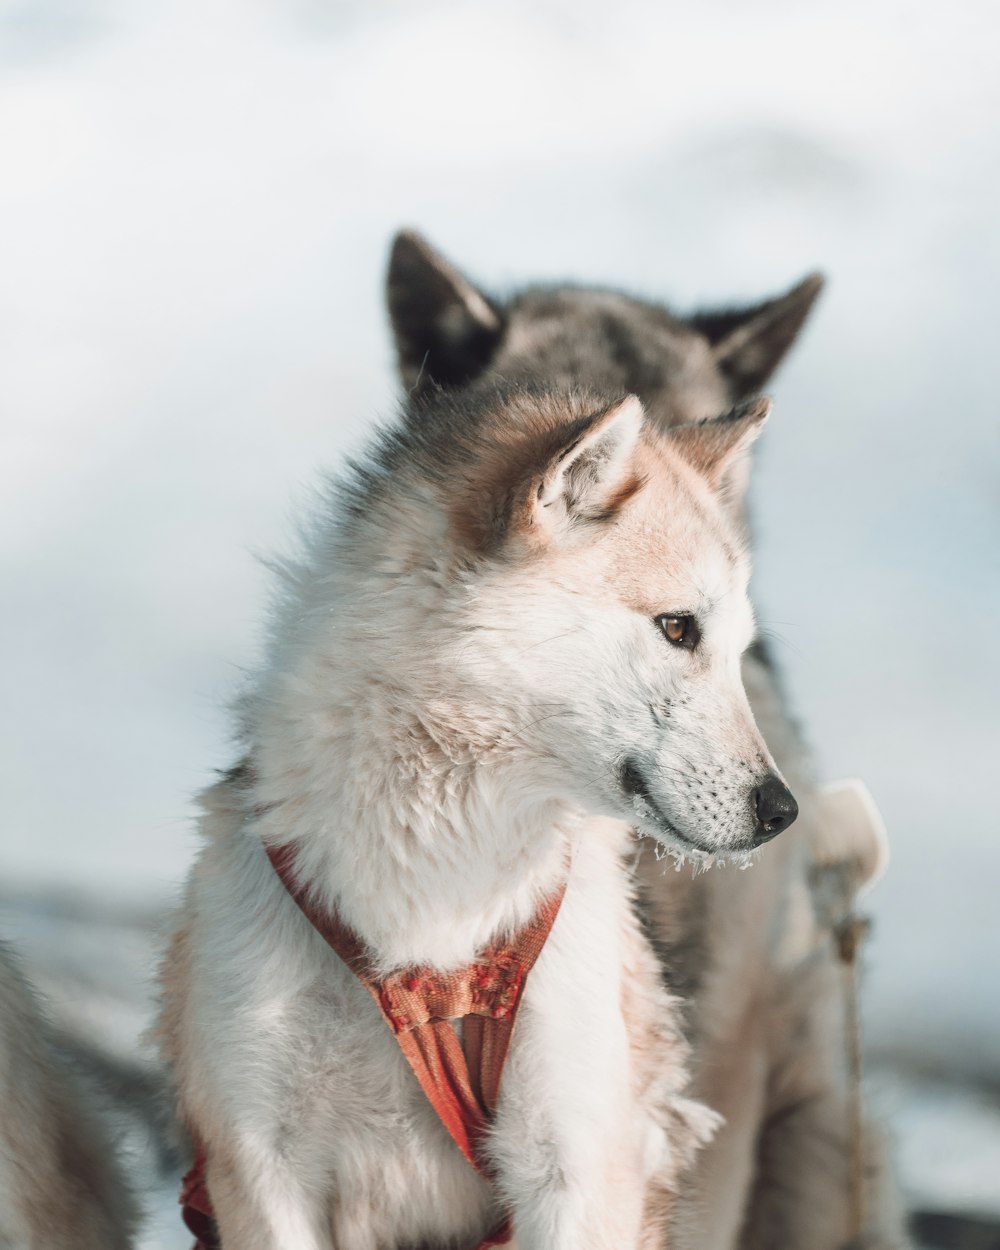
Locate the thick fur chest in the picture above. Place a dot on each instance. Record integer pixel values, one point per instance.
(286, 1069)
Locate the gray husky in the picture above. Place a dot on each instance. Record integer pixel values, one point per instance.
(753, 953)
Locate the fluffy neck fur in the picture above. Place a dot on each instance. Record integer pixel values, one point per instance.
(408, 809)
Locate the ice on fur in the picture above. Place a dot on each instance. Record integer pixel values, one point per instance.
(472, 682)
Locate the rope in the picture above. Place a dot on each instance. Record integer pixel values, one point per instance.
(849, 935)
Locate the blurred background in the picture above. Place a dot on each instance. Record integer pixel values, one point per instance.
(197, 199)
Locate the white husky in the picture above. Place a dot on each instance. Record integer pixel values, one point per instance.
(523, 609)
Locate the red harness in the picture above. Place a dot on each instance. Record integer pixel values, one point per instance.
(461, 1079)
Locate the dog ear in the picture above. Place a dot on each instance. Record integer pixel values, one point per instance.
(446, 330)
(748, 344)
(718, 448)
(591, 474)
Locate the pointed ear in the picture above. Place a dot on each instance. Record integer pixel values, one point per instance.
(591, 474)
(446, 330)
(718, 448)
(748, 345)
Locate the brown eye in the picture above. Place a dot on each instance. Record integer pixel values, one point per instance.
(681, 631)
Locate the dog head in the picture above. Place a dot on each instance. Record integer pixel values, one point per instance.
(450, 332)
(569, 607)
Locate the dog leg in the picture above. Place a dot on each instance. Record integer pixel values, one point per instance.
(569, 1166)
(711, 1197)
(572, 1174)
(261, 1204)
(568, 1215)
(802, 1201)
(568, 1153)
(802, 1197)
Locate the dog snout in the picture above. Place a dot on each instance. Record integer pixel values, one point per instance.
(776, 808)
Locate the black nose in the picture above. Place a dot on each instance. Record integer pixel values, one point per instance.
(776, 809)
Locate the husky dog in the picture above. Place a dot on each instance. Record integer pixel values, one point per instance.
(515, 632)
(61, 1187)
(751, 952)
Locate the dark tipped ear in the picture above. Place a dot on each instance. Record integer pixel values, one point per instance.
(446, 330)
(748, 345)
(719, 448)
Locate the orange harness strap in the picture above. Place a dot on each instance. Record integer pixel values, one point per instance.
(460, 1079)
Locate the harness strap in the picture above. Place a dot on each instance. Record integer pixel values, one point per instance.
(461, 1080)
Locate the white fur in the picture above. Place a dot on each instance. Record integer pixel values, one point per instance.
(430, 734)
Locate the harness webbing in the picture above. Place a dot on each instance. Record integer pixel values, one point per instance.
(460, 1079)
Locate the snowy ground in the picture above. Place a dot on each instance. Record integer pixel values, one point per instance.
(196, 204)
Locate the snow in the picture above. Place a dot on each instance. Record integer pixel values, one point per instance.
(948, 1146)
(197, 202)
